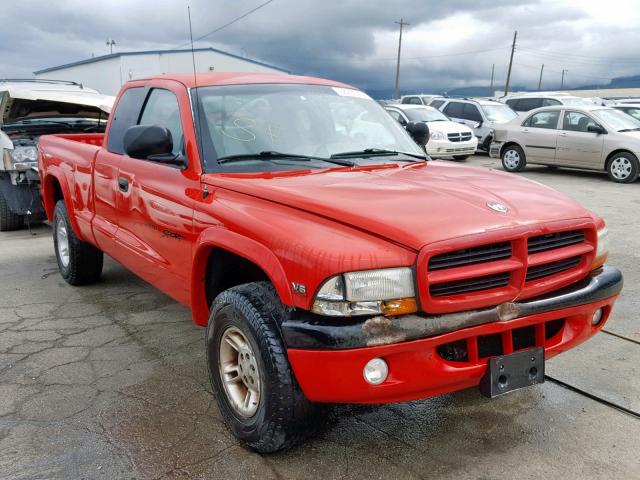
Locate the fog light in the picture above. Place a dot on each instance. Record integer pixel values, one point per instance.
(597, 317)
(375, 371)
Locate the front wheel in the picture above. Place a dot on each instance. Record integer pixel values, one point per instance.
(79, 263)
(256, 390)
(513, 159)
(623, 168)
(9, 220)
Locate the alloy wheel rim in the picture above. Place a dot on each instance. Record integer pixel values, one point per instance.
(621, 168)
(62, 239)
(512, 159)
(239, 372)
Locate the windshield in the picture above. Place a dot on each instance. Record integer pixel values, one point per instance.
(498, 113)
(305, 120)
(616, 120)
(425, 115)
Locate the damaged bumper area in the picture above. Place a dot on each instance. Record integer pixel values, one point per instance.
(431, 355)
(21, 191)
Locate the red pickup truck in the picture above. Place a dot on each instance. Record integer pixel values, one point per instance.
(329, 259)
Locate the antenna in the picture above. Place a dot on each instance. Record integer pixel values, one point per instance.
(196, 100)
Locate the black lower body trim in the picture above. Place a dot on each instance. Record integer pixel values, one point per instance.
(306, 330)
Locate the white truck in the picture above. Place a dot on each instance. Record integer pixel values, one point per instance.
(31, 108)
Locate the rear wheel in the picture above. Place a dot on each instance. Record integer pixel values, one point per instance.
(9, 220)
(79, 263)
(513, 158)
(256, 390)
(623, 168)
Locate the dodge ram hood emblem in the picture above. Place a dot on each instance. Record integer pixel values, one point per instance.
(498, 207)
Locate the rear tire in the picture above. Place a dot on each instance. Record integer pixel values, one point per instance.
(254, 385)
(80, 263)
(513, 159)
(8, 220)
(623, 168)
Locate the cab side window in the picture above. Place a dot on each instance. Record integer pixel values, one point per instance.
(577, 122)
(454, 109)
(543, 120)
(162, 109)
(125, 116)
(470, 112)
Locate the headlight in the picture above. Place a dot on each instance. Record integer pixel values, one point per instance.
(369, 292)
(437, 135)
(21, 157)
(602, 250)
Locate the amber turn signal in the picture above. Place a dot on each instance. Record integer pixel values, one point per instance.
(401, 306)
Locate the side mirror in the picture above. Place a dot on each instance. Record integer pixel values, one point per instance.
(151, 142)
(596, 129)
(477, 124)
(419, 131)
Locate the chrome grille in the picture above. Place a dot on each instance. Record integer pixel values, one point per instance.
(459, 136)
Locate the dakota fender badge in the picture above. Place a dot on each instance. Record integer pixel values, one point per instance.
(498, 207)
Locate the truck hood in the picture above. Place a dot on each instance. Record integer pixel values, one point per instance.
(411, 204)
(27, 103)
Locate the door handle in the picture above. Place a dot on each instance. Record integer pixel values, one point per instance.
(123, 184)
(525, 131)
(562, 134)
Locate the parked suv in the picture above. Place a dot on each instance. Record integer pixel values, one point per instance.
(526, 102)
(479, 115)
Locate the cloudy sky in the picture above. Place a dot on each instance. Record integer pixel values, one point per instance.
(449, 43)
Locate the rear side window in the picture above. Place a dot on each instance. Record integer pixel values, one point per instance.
(436, 103)
(526, 104)
(162, 109)
(125, 115)
(415, 101)
(550, 102)
(454, 109)
(412, 100)
(512, 103)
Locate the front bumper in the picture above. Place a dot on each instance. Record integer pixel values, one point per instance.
(445, 148)
(328, 355)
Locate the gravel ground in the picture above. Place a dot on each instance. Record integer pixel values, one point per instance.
(109, 381)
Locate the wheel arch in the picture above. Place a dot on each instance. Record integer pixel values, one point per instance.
(54, 188)
(509, 144)
(215, 244)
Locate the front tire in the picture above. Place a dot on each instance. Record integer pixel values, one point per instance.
(79, 263)
(513, 159)
(8, 220)
(623, 168)
(256, 390)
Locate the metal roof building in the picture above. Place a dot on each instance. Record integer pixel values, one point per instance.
(108, 72)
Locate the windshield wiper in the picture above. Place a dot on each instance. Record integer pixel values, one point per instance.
(271, 155)
(368, 152)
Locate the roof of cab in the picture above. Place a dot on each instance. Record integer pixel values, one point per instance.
(240, 78)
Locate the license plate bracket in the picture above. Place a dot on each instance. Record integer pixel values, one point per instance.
(506, 373)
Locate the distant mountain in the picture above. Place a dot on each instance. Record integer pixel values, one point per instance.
(632, 81)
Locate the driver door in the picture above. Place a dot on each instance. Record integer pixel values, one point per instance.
(577, 146)
(155, 201)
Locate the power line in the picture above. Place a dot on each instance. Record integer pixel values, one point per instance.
(216, 30)
(571, 54)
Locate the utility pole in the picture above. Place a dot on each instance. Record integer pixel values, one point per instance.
(562, 80)
(513, 48)
(540, 81)
(402, 23)
(110, 43)
(493, 69)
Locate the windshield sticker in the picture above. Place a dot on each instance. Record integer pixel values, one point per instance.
(348, 92)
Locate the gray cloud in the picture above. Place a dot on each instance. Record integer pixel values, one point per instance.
(353, 40)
